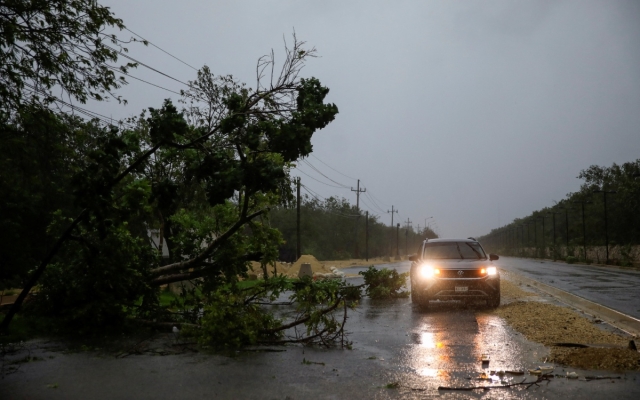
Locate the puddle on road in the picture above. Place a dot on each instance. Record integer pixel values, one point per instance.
(445, 346)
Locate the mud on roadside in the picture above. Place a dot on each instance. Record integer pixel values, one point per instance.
(559, 327)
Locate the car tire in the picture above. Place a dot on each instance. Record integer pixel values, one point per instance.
(494, 299)
(415, 298)
(424, 303)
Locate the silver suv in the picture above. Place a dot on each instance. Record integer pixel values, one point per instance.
(454, 269)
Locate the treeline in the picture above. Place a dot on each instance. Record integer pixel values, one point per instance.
(599, 223)
(330, 229)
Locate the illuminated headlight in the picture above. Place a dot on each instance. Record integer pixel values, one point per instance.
(428, 271)
(491, 271)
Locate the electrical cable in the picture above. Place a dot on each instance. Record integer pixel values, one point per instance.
(299, 170)
(374, 203)
(84, 111)
(147, 66)
(142, 80)
(347, 176)
(381, 202)
(322, 199)
(164, 51)
(368, 206)
(318, 171)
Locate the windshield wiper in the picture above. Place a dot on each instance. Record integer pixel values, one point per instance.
(459, 252)
(475, 251)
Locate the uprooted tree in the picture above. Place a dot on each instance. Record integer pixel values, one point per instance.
(204, 178)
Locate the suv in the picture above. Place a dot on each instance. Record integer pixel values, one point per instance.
(454, 269)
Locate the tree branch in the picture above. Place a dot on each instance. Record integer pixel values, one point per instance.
(203, 256)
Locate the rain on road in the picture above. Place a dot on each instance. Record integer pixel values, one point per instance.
(613, 287)
(394, 344)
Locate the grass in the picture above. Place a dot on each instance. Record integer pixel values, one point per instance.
(23, 328)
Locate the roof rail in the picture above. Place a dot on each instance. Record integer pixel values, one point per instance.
(472, 238)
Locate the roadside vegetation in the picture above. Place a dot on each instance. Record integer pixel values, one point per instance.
(600, 223)
(328, 230)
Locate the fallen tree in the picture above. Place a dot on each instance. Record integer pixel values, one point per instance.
(204, 178)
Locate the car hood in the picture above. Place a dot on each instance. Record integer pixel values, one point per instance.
(459, 264)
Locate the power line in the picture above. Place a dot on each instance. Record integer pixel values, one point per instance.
(318, 171)
(164, 51)
(149, 67)
(142, 80)
(381, 202)
(320, 198)
(369, 207)
(347, 176)
(84, 111)
(374, 202)
(299, 170)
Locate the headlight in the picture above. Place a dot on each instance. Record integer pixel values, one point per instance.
(491, 271)
(428, 271)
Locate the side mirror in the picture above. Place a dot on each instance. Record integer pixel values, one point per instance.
(413, 257)
(493, 257)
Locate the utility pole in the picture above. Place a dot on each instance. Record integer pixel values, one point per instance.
(606, 233)
(366, 238)
(584, 232)
(358, 191)
(298, 246)
(406, 237)
(397, 240)
(392, 211)
(390, 242)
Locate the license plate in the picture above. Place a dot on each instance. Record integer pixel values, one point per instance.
(461, 288)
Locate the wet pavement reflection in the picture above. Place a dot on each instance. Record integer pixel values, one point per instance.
(398, 351)
(444, 346)
(613, 287)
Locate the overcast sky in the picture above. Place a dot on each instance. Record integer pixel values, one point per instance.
(472, 112)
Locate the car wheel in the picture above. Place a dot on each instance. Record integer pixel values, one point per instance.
(424, 303)
(494, 300)
(415, 298)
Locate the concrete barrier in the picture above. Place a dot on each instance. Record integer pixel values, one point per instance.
(305, 270)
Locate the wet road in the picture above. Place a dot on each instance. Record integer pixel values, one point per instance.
(394, 343)
(613, 287)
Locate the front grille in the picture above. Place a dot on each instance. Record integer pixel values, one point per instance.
(455, 273)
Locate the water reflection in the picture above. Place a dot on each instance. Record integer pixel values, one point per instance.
(428, 340)
(446, 346)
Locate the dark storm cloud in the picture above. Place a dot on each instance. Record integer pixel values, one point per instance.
(473, 112)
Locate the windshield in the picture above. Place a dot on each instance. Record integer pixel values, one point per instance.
(454, 250)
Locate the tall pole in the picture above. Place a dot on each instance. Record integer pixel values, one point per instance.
(553, 218)
(544, 244)
(535, 236)
(584, 230)
(406, 237)
(606, 233)
(391, 241)
(298, 245)
(358, 191)
(566, 226)
(366, 238)
(553, 244)
(398, 240)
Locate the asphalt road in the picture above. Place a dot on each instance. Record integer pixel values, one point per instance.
(613, 287)
(394, 344)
